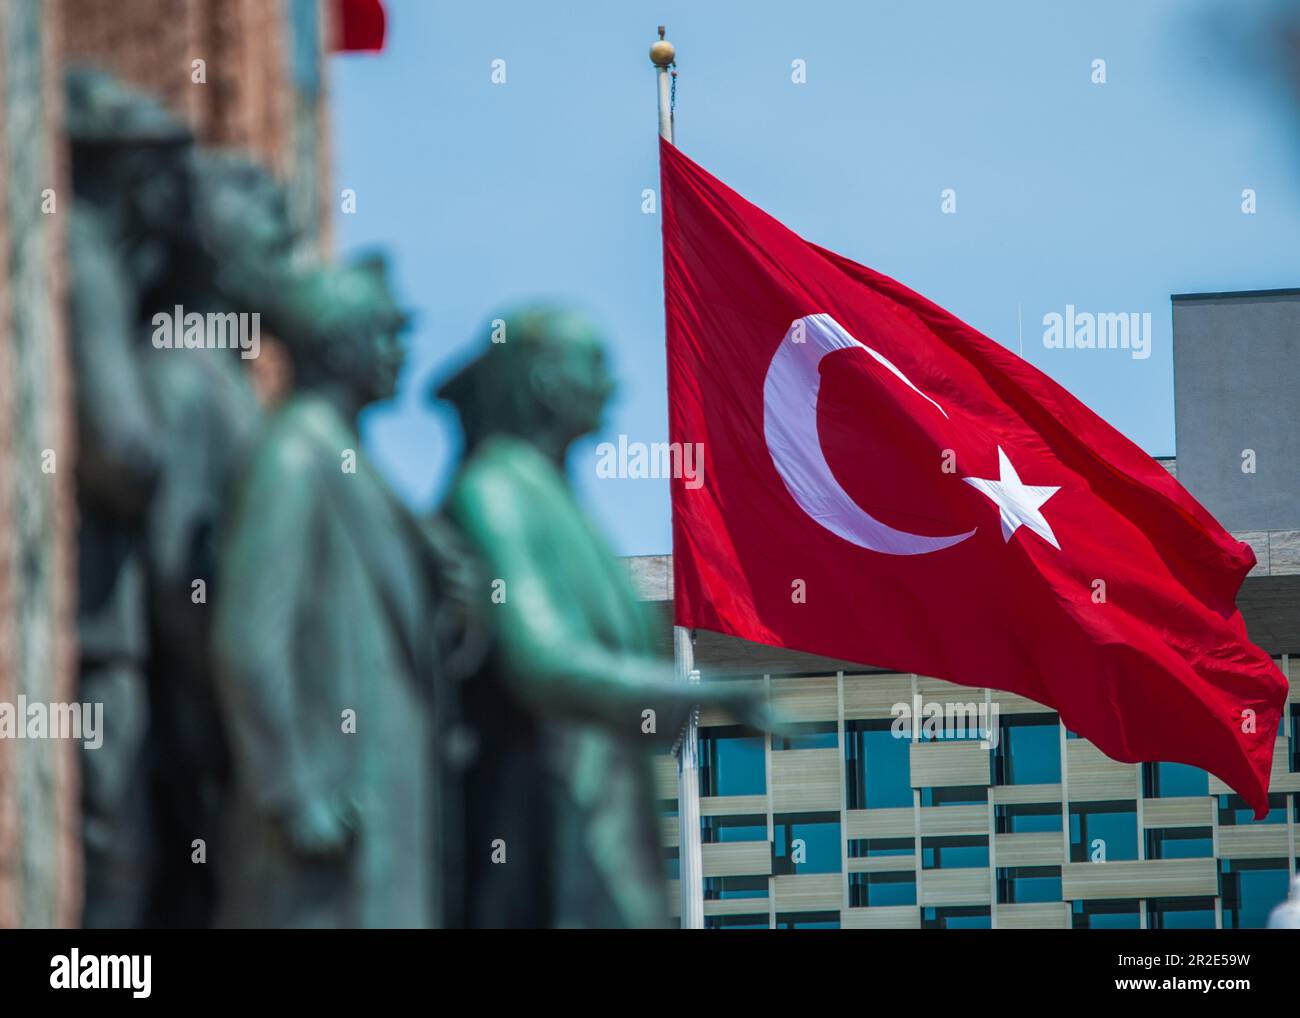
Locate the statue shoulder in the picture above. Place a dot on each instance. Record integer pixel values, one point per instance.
(294, 446)
(500, 487)
(502, 464)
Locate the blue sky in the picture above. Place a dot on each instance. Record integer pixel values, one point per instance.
(1108, 197)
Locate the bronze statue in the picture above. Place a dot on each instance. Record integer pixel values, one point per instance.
(560, 823)
(234, 250)
(127, 173)
(327, 655)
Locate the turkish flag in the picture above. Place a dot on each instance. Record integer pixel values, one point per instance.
(361, 25)
(884, 484)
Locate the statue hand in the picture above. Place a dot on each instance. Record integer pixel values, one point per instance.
(747, 705)
(317, 828)
(754, 712)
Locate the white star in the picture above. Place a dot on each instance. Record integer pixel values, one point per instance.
(1017, 503)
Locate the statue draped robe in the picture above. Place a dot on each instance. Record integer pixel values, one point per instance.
(207, 416)
(562, 771)
(119, 456)
(326, 594)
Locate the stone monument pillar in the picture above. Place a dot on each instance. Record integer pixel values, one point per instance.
(245, 74)
(39, 823)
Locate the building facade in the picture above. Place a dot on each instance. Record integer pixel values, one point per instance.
(955, 824)
(903, 801)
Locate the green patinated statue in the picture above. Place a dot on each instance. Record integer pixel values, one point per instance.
(229, 261)
(560, 821)
(128, 169)
(326, 641)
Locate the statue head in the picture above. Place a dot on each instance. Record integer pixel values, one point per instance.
(241, 239)
(240, 209)
(128, 157)
(542, 376)
(342, 327)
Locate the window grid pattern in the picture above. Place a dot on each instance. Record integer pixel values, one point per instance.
(969, 837)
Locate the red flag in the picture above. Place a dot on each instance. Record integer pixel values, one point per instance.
(361, 26)
(884, 484)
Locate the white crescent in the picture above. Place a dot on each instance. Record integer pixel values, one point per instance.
(790, 427)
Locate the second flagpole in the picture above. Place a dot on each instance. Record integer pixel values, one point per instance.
(690, 864)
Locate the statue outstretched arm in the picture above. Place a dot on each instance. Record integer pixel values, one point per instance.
(544, 645)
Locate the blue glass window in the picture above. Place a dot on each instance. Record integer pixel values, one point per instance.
(734, 828)
(1180, 843)
(812, 837)
(1028, 750)
(1104, 830)
(736, 922)
(808, 735)
(1023, 818)
(718, 888)
(1169, 780)
(872, 890)
(732, 762)
(1180, 913)
(870, 848)
(955, 795)
(1029, 884)
(1116, 914)
(1295, 736)
(1233, 809)
(1250, 889)
(878, 766)
(954, 852)
(962, 918)
(808, 921)
(959, 722)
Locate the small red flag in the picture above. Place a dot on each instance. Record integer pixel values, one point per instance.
(361, 25)
(884, 484)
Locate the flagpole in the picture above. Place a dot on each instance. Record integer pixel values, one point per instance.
(690, 866)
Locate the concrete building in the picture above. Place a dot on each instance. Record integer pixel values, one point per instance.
(841, 824)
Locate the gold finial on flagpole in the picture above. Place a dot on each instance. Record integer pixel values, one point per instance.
(662, 52)
(663, 56)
